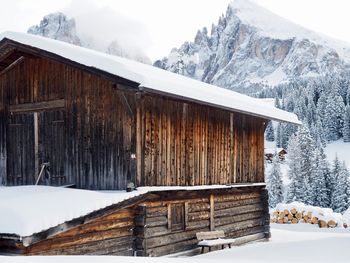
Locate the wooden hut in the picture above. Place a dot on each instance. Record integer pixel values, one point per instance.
(270, 153)
(100, 122)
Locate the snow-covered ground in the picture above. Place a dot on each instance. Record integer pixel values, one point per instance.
(289, 243)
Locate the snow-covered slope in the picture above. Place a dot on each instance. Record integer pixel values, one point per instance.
(59, 27)
(250, 45)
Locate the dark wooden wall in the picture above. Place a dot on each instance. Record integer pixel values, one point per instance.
(189, 144)
(90, 138)
(87, 141)
(242, 214)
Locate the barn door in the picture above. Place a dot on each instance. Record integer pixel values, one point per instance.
(33, 139)
(20, 149)
(51, 145)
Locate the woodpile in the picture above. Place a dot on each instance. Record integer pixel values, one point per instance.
(295, 213)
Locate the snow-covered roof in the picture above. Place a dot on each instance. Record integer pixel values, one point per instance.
(154, 79)
(25, 210)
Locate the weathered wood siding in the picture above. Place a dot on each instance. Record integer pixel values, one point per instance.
(90, 138)
(108, 235)
(242, 214)
(189, 144)
(87, 142)
(155, 226)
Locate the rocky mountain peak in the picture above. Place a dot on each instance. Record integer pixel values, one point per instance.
(58, 26)
(250, 46)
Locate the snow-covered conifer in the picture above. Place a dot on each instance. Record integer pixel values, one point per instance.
(339, 199)
(318, 188)
(274, 183)
(270, 132)
(346, 128)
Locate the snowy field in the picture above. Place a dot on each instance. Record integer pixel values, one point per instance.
(289, 243)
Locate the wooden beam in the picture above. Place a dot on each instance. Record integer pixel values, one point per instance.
(169, 216)
(126, 103)
(37, 106)
(186, 215)
(36, 144)
(212, 222)
(12, 65)
(138, 142)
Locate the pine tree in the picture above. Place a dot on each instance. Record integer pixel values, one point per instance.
(318, 133)
(279, 135)
(301, 156)
(296, 187)
(307, 150)
(334, 117)
(318, 187)
(277, 103)
(346, 129)
(270, 132)
(347, 186)
(339, 197)
(274, 183)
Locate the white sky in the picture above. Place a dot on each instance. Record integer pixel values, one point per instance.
(159, 25)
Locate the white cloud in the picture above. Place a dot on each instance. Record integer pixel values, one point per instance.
(104, 24)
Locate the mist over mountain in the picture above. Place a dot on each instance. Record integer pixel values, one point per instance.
(58, 26)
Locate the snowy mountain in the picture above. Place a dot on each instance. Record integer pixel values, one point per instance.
(250, 45)
(58, 26)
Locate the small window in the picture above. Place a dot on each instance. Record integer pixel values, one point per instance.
(176, 217)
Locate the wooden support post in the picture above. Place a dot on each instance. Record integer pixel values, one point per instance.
(138, 142)
(212, 222)
(186, 215)
(169, 216)
(131, 178)
(36, 144)
(140, 246)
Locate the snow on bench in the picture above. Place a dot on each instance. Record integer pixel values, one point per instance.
(213, 238)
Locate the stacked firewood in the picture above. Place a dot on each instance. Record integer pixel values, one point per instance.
(296, 212)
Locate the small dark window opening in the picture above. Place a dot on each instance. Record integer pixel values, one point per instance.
(177, 217)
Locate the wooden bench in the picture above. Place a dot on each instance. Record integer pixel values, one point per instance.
(213, 238)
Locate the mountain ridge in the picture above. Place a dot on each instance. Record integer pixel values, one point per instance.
(251, 48)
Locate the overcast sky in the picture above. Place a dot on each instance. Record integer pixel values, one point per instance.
(159, 25)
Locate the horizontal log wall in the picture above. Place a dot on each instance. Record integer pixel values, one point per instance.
(145, 229)
(238, 214)
(189, 144)
(241, 215)
(107, 235)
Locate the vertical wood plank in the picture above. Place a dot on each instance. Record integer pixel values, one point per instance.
(36, 144)
(186, 215)
(212, 212)
(169, 215)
